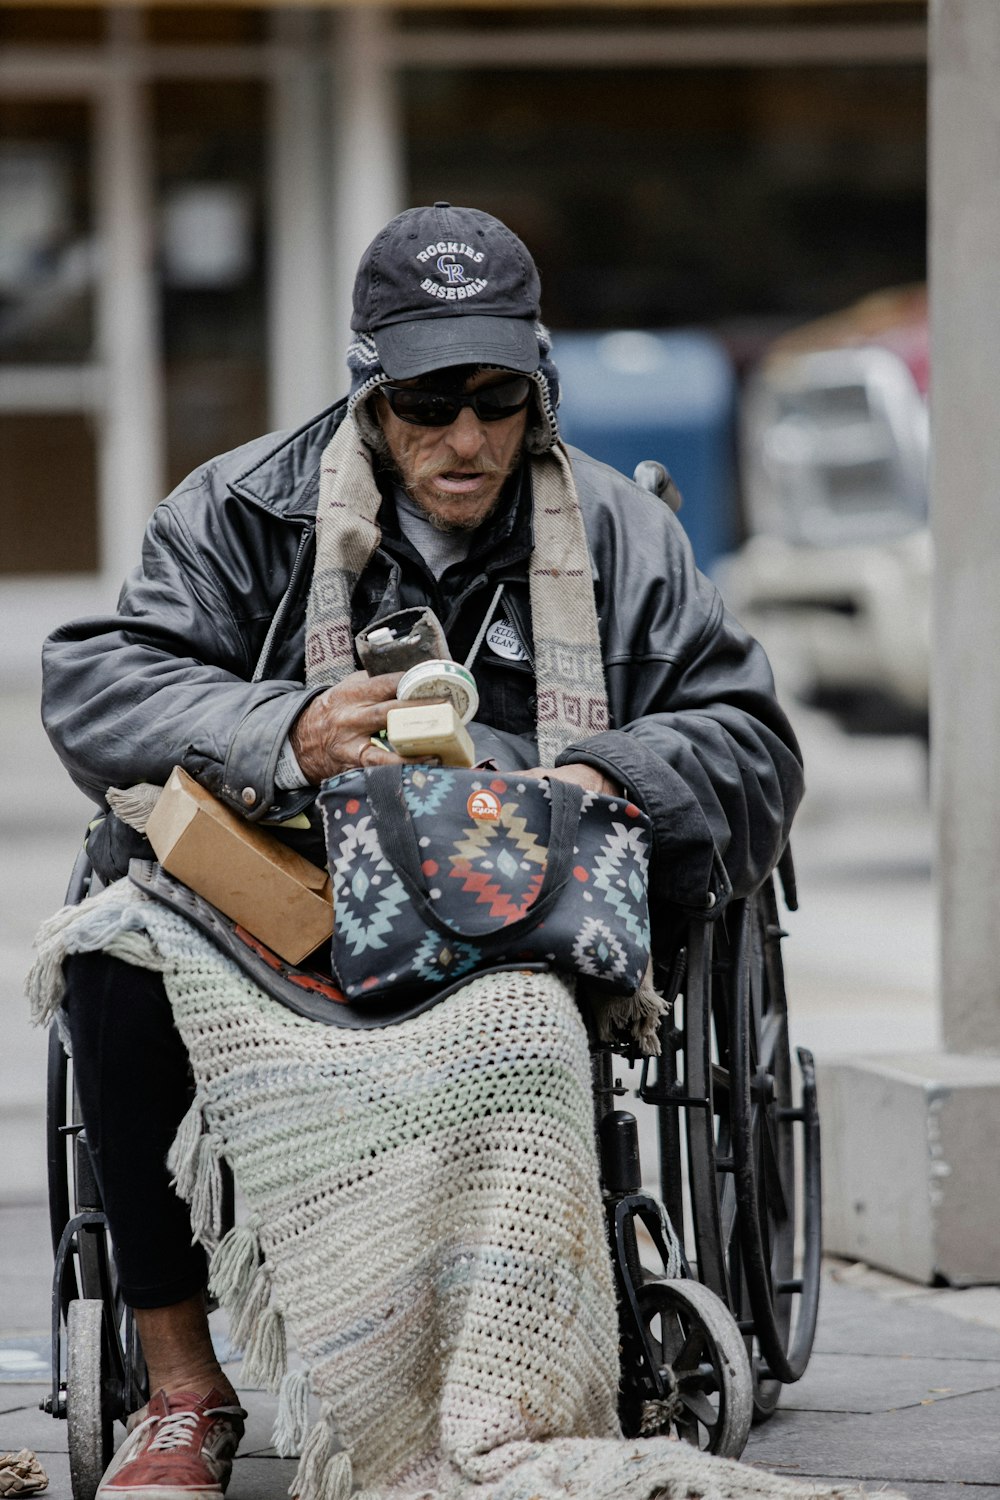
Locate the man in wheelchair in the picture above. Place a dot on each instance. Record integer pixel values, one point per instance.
(601, 657)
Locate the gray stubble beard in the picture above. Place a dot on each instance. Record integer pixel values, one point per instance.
(380, 447)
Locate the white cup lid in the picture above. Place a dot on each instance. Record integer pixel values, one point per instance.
(442, 679)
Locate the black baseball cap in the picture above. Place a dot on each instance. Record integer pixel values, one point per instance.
(446, 286)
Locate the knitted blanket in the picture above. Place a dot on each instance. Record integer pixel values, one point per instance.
(424, 1215)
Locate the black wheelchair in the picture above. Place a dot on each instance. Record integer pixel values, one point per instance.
(715, 1244)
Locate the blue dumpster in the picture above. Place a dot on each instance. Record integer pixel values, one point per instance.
(632, 395)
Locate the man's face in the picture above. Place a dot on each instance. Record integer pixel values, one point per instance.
(455, 473)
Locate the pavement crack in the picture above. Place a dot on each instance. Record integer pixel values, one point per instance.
(888, 1411)
(908, 1356)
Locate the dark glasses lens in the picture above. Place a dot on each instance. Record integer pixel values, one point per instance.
(439, 409)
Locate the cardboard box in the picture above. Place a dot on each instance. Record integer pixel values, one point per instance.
(283, 899)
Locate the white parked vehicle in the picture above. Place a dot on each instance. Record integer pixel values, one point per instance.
(835, 578)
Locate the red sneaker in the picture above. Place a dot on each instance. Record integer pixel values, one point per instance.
(181, 1450)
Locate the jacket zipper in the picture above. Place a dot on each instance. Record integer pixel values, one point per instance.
(284, 605)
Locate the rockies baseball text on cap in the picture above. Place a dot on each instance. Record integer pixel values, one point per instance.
(444, 286)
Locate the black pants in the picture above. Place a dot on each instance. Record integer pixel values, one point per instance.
(134, 1084)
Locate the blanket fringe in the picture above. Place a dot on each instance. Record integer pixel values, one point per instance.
(243, 1285)
(291, 1423)
(206, 1198)
(183, 1158)
(134, 804)
(45, 985)
(195, 1160)
(241, 1280)
(265, 1357)
(247, 1311)
(112, 922)
(639, 1014)
(233, 1266)
(322, 1474)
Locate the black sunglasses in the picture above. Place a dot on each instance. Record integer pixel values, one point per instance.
(491, 403)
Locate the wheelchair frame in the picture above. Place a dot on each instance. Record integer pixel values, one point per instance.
(703, 1352)
(729, 1164)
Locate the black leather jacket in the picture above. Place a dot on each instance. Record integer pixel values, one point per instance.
(202, 665)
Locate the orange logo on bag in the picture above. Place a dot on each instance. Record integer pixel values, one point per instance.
(484, 807)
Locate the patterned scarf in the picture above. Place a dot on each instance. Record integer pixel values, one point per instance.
(569, 673)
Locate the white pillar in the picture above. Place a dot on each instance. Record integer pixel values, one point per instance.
(305, 370)
(965, 427)
(131, 466)
(368, 149)
(923, 1201)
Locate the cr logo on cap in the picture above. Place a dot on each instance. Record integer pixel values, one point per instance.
(452, 269)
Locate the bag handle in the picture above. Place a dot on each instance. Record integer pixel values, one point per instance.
(398, 839)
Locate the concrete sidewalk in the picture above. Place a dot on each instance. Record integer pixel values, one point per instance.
(903, 1389)
(904, 1385)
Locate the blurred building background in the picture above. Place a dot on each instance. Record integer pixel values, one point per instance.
(184, 194)
(185, 190)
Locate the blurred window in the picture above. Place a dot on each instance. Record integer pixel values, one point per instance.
(210, 145)
(48, 495)
(696, 15)
(48, 457)
(46, 240)
(51, 25)
(686, 195)
(203, 24)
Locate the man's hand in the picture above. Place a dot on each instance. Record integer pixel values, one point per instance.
(588, 777)
(333, 732)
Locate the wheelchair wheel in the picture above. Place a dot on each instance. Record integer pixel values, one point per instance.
(702, 1358)
(85, 1282)
(87, 1407)
(741, 1148)
(61, 1111)
(59, 1106)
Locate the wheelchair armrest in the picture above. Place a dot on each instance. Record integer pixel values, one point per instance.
(786, 874)
(83, 879)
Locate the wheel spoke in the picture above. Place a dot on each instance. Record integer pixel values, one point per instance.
(772, 1028)
(687, 1430)
(688, 1356)
(729, 1215)
(770, 1170)
(698, 1403)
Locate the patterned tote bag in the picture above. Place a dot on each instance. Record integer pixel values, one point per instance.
(440, 874)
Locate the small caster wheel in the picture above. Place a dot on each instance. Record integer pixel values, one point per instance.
(90, 1424)
(765, 1394)
(702, 1354)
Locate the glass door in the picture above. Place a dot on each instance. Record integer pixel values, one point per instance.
(50, 389)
